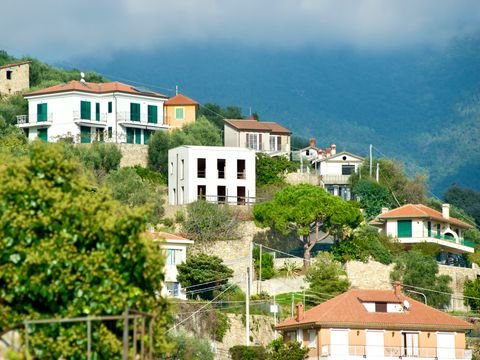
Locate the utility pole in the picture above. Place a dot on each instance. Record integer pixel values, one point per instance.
(275, 316)
(260, 272)
(293, 300)
(377, 176)
(176, 89)
(247, 310)
(371, 150)
(125, 336)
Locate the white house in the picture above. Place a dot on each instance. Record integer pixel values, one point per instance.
(215, 173)
(335, 171)
(263, 136)
(175, 247)
(417, 223)
(84, 112)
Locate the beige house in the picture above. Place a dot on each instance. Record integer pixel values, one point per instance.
(377, 324)
(179, 111)
(261, 136)
(14, 78)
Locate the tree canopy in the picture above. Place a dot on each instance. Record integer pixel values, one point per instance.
(272, 170)
(216, 114)
(69, 250)
(465, 199)
(307, 209)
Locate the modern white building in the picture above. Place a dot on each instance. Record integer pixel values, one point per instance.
(217, 174)
(85, 112)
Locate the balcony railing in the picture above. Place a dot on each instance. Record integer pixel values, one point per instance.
(77, 116)
(143, 119)
(32, 119)
(335, 179)
(449, 237)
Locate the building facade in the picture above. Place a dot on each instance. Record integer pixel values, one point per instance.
(87, 112)
(214, 173)
(377, 324)
(14, 78)
(267, 137)
(179, 111)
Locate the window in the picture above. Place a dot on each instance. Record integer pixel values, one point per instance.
(201, 191)
(146, 136)
(241, 169)
(97, 111)
(254, 141)
(221, 168)
(182, 169)
(179, 113)
(292, 335)
(380, 307)
(182, 194)
(439, 231)
(85, 110)
(85, 135)
(42, 134)
(221, 194)
(138, 136)
(110, 107)
(152, 114)
(42, 112)
(348, 169)
(134, 112)
(201, 168)
(312, 338)
(173, 256)
(410, 344)
(9, 74)
(404, 228)
(171, 168)
(130, 135)
(173, 288)
(99, 135)
(275, 143)
(240, 195)
(26, 131)
(429, 228)
(110, 132)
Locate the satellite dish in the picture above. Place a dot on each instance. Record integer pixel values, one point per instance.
(406, 304)
(82, 74)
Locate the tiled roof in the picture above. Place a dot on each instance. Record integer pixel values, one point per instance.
(14, 64)
(157, 235)
(419, 211)
(347, 310)
(180, 100)
(254, 125)
(95, 88)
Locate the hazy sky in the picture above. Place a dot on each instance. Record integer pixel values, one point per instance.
(65, 29)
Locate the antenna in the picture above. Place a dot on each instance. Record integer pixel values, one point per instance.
(82, 76)
(176, 89)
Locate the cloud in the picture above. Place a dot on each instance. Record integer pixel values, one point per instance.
(57, 29)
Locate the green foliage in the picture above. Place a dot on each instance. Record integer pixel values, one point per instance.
(373, 196)
(472, 235)
(306, 209)
(130, 189)
(12, 106)
(427, 249)
(243, 352)
(326, 276)
(471, 291)
(215, 113)
(454, 211)
(292, 350)
(203, 275)
(289, 269)
(268, 268)
(272, 170)
(69, 251)
(207, 222)
(101, 158)
(465, 199)
(415, 269)
(201, 132)
(12, 139)
(188, 347)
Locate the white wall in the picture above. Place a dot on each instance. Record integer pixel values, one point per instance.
(333, 165)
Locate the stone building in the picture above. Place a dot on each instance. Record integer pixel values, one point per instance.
(14, 78)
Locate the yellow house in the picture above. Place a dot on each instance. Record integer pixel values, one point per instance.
(179, 111)
(377, 324)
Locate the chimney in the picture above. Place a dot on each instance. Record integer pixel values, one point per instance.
(384, 210)
(446, 211)
(251, 117)
(299, 313)
(397, 287)
(313, 143)
(334, 149)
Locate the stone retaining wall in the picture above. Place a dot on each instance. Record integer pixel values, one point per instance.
(133, 154)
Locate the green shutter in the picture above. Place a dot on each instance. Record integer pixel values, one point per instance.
(85, 110)
(146, 136)
(129, 136)
(404, 228)
(42, 112)
(152, 114)
(85, 135)
(429, 228)
(179, 113)
(134, 112)
(138, 136)
(110, 107)
(97, 111)
(42, 134)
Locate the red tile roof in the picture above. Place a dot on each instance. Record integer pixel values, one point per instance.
(14, 64)
(347, 310)
(96, 88)
(420, 211)
(254, 125)
(157, 235)
(180, 100)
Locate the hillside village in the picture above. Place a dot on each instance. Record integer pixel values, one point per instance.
(230, 233)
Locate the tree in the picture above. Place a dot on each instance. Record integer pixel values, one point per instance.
(216, 114)
(101, 158)
(326, 277)
(373, 196)
(268, 266)
(306, 209)
(465, 199)
(471, 293)
(69, 250)
(292, 350)
(203, 275)
(420, 271)
(190, 347)
(207, 222)
(272, 170)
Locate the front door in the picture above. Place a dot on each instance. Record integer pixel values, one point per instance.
(410, 344)
(339, 342)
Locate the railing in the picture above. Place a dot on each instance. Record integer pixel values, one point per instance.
(277, 149)
(77, 116)
(242, 175)
(201, 174)
(33, 119)
(335, 179)
(449, 237)
(138, 118)
(221, 174)
(225, 199)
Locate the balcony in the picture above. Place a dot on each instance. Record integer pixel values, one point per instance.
(139, 121)
(335, 179)
(446, 241)
(79, 120)
(27, 121)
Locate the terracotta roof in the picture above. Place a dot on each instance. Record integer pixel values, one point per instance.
(157, 235)
(14, 64)
(180, 100)
(96, 88)
(254, 125)
(419, 211)
(347, 310)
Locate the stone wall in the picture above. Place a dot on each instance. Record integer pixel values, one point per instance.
(302, 178)
(133, 154)
(459, 275)
(19, 79)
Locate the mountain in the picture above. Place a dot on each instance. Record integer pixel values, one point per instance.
(421, 106)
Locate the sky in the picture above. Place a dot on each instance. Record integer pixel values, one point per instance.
(64, 29)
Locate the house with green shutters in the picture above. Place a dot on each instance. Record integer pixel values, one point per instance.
(87, 112)
(416, 223)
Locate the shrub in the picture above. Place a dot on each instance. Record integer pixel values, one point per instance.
(190, 347)
(243, 352)
(292, 350)
(268, 267)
